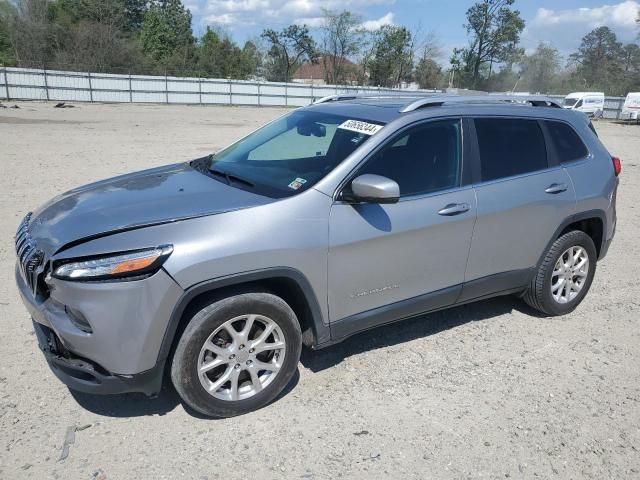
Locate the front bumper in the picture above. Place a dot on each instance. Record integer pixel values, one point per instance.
(83, 375)
(120, 351)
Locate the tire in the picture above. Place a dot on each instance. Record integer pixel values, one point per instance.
(260, 387)
(540, 294)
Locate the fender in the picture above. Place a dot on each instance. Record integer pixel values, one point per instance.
(321, 333)
(602, 248)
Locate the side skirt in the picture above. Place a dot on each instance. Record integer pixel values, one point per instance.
(492, 286)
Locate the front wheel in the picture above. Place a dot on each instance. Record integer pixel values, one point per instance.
(565, 275)
(237, 354)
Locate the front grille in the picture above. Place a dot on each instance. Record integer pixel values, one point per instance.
(30, 258)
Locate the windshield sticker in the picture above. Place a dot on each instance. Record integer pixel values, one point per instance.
(360, 127)
(297, 183)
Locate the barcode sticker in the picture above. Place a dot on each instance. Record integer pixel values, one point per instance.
(360, 127)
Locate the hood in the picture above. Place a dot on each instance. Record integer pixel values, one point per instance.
(149, 197)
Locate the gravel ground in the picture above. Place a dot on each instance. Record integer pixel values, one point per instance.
(488, 390)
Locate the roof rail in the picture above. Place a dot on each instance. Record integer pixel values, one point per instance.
(439, 100)
(373, 95)
(334, 98)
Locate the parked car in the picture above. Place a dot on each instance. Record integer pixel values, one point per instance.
(335, 218)
(589, 103)
(631, 107)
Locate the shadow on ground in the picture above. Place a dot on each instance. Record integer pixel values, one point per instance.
(139, 405)
(407, 330)
(136, 405)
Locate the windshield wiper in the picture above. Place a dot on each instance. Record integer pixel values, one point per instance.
(230, 177)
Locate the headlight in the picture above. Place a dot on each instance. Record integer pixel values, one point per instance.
(141, 262)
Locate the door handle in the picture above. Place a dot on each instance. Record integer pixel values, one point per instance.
(556, 188)
(454, 209)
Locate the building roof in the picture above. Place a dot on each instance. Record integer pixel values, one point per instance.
(319, 70)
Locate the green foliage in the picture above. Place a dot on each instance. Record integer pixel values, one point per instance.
(539, 71)
(289, 48)
(6, 52)
(341, 39)
(599, 61)
(166, 31)
(494, 30)
(391, 59)
(428, 74)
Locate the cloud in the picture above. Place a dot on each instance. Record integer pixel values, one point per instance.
(376, 24)
(565, 28)
(273, 13)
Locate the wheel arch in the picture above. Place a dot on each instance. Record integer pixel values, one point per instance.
(591, 222)
(289, 284)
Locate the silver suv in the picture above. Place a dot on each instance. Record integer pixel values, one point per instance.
(335, 218)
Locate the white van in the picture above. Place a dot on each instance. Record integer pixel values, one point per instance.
(590, 103)
(631, 107)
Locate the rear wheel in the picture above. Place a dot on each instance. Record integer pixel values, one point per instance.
(237, 354)
(565, 275)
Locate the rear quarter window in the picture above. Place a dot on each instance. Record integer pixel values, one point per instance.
(568, 144)
(510, 146)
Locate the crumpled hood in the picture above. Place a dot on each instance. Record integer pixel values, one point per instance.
(145, 198)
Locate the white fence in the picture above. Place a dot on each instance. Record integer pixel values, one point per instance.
(56, 85)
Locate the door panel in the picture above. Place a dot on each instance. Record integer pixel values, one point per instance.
(381, 254)
(516, 219)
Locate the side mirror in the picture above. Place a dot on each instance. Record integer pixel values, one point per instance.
(371, 188)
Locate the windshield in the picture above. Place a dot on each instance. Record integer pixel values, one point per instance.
(570, 102)
(290, 154)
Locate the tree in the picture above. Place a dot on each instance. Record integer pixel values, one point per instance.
(251, 59)
(631, 66)
(166, 31)
(135, 11)
(538, 71)
(288, 49)
(390, 61)
(428, 72)
(30, 34)
(341, 39)
(495, 30)
(6, 51)
(599, 61)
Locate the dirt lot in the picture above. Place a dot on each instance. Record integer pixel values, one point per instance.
(487, 390)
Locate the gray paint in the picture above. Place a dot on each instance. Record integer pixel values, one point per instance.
(128, 319)
(356, 258)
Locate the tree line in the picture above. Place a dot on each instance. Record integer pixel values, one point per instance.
(156, 37)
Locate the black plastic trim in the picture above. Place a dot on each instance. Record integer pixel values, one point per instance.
(603, 247)
(394, 312)
(86, 376)
(500, 282)
(320, 330)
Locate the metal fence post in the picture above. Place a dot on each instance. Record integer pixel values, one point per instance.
(286, 95)
(230, 92)
(259, 102)
(130, 90)
(200, 90)
(46, 84)
(6, 83)
(312, 97)
(166, 86)
(90, 88)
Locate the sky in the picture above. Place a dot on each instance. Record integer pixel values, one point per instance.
(562, 23)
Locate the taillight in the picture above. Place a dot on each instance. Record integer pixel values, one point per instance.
(617, 166)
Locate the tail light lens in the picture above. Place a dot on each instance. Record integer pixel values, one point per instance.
(617, 166)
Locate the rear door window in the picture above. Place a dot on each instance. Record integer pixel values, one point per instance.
(509, 146)
(566, 141)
